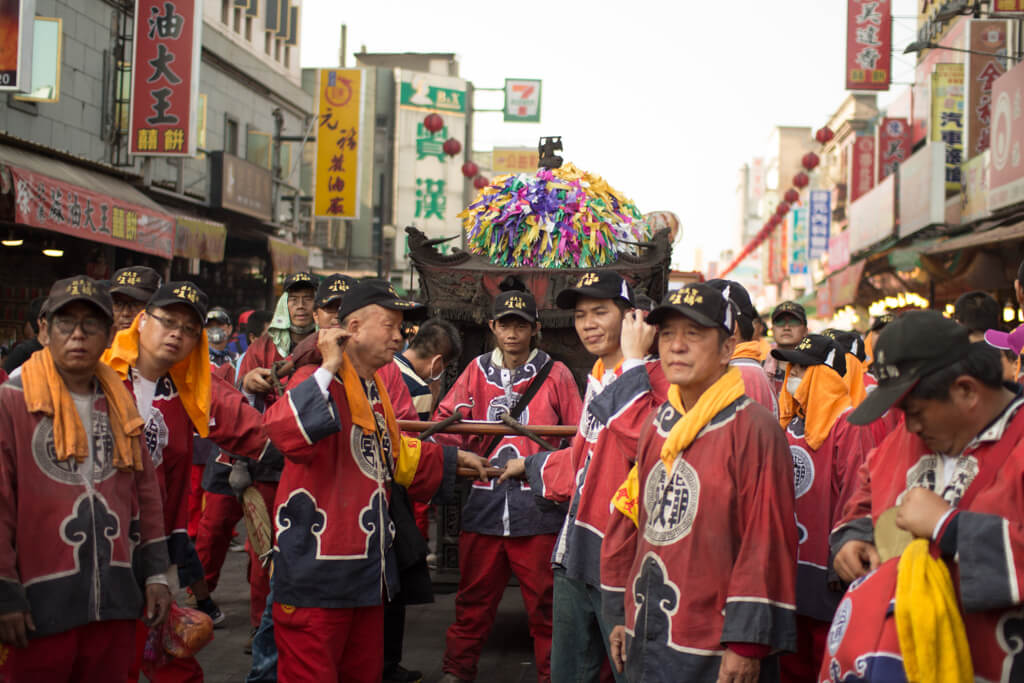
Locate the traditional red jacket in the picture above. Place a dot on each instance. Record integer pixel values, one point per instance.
(262, 353)
(590, 471)
(982, 543)
(713, 560)
(334, 533)
(756, 384)
(484, 391)
(825, 479)
(892, 419)
(72, 551)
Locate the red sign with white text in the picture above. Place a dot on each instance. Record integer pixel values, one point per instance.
(987, 37)
(868, 44)
(1006, 170)
(165, 77)
(862, 167)
(893, 145)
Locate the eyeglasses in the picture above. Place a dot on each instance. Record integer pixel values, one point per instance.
(188, 329)
(66, 325)
(127, 304)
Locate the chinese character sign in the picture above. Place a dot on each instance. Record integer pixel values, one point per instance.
(522, 100)
(798, 241)
(820, 223)
(16, 30)
(987, 38)
(862, 166)
(514, 160)
(1006, 172)
(165, 77)
(893, 145)
(868, 44)
(339, 108)
(1008, 8)
(948, 118)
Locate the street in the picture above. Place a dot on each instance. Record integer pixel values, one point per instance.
(507, 657)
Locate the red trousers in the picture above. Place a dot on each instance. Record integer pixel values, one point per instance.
(185, 670)
(97, 652)
(316, 645)
(804, 665)
(485, 564)
(195, 498)
(220, 515)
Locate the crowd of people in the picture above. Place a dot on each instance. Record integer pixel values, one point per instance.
(809, 507)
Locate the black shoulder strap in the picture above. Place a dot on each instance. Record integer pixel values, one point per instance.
(521, 404)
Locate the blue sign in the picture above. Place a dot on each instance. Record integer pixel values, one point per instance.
(821, 222)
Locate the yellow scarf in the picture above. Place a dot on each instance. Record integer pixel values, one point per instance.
(854, 379)
(718, 396)
(933, 641)
(869, 352)
(598, 371)
(750, 349)
(46, 393)
(766, 348)
(191, 376)
(821, 398)
(359, 405)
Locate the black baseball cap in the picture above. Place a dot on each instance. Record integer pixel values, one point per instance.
(912, 346)
(219, 315)
(380, 292)
(299, 281)
(137, 282)
(517, 303)
(699, 302)
(815, 349)
(738, 294)
(79, 288)
(597, 284)
(849, 341)
(181, 292)
(333, 287)
(881, 321)
(790, 308)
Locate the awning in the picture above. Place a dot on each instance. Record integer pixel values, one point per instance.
(287, 257)
(199, 238)
(1007, 233)
(57, 195)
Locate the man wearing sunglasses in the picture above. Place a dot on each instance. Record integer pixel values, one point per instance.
(789, 327)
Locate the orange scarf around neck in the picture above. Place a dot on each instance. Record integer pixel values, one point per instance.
(821, 398)
(359, 405)
(598, 371)
(750, 349)
(854, 379)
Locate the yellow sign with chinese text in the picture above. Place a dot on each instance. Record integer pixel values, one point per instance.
(514, 160)
(339, 110)
(947, 124)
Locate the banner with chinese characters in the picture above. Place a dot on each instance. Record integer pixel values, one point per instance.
(987, 38)
(165, 77)
(514, 160)
(1006, 172)
(798, 241)
(44, 202)
(947, 124)
(868, 44)
(1008, 8)
(820, 220)
(893, 145)
(862, 166)
(429, 185)
(339, 111)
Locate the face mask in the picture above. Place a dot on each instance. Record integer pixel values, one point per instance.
(216, 335)
(792, 384)
(439, 375)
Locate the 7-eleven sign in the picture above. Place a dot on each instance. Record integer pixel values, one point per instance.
(522, 100)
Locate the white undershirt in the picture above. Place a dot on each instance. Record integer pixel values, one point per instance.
(83, 404)
(145, 392)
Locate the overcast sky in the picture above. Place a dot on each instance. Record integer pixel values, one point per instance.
(665, 100)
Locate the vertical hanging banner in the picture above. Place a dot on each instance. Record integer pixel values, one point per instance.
(862, 166)
(987, 38)
(17, 22)
(165, 77)
(820, 210)
(798, 246)
(338, 150)
(868, 44)
(947, 124)
(893, 145)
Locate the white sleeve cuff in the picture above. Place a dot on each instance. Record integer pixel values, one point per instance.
(157, 578)
(942, 520)
(323, 379)
(631, 363)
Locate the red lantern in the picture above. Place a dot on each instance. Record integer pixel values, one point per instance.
(480, 182)
(801, 180)
(774, 220)
(782, 210)
(824, 134)
(469, 169)
(451, 147)
(433, 123)
(810, 161)
(792, 196)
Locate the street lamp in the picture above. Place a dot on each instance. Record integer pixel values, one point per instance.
(922, 45)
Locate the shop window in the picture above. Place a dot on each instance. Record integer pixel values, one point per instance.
(230, 134)
(257, 148)
(46, 56)
(225, 11)
(277, 49)
(248, 29)
(268, 39)
(238, 20)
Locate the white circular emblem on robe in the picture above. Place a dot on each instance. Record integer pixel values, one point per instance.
(803, 470)
(156, 434)
(839, 623)
(671, 501)
(366, 448)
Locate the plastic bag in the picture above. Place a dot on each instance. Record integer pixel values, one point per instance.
(185, 632)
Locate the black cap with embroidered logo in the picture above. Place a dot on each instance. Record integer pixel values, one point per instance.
(137, 282)
(377, 292)
(790, 308)
(815, 349)
(299, 281)
(79, 288)
(181, 292)
(333, 288)
(699, 302)
(517, 303)
(881, 321)
(912, 346)
(849, 342)
(738, 294)
(597, 284)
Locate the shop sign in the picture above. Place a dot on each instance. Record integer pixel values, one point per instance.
(975, 194)
(778, 255)
(17, 27)
(820, 211)
(338, 148)
(165, 77)
(240, 186)
(947, 124)
(872, 217)
(1008, 8)
(431, 93)
(845, 283)
(868, 44)
(798, 241)
(198, 239)
(522, 100)
(1006, 177)
(893, 145)
(923, 189)
(862, 166)
(43, 202)
(287, 257)
(839, 250)
(514, 160)
(987, 38)
(954, 38)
